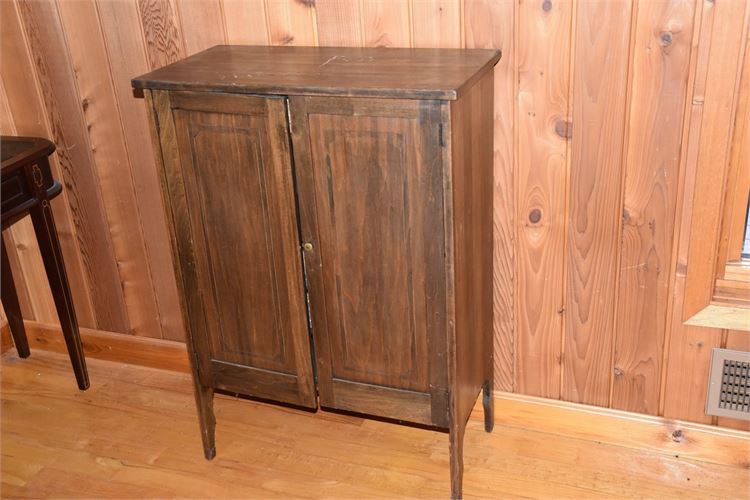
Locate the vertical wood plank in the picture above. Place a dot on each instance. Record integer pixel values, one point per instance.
(543, 57)
(687, 355)
(161, 31)
(126, 53)
(339, 23)
(26, 106)
(602, 41)
(719, 105)
(661, 59)
(490, 24)
(385, 23)
(202, 24)
(436, 23)
(68, 130)
(291, 22)
(245, 22)
(104, 134)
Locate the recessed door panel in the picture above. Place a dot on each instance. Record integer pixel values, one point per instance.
(368, 243)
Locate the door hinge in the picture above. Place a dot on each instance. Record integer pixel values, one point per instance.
(197, 365)
(288, 115)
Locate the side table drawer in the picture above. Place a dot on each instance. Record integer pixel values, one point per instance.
(14, 192)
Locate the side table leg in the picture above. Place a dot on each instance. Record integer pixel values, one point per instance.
(49, 245)
(12, 307)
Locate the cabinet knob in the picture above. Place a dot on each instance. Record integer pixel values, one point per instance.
(307, 247)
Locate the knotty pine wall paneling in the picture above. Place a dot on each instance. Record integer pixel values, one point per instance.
(385, 23)
(289, 22)
(607, 115)
(127, 55)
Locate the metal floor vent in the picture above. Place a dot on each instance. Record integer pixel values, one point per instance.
(729, 385)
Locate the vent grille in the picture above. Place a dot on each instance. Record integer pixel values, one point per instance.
(729, 386)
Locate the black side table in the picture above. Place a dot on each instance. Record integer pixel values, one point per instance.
(27, 188)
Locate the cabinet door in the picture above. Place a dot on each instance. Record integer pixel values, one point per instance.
(370, 187)
(246, 304)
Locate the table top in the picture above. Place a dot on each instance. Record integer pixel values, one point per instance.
(19, 151)
(363, 72)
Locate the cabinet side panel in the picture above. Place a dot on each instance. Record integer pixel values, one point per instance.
(170, 180)
(471, 156)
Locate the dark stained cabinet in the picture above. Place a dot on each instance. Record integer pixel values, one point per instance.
(331, 220)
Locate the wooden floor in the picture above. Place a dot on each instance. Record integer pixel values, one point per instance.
(134, 434)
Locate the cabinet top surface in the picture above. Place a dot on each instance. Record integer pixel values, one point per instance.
(362, 72)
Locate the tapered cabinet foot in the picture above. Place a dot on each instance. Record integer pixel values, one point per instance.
(457, 460)
(204, 399)
(488, 403)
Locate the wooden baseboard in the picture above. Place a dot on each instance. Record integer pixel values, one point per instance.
(676, 438)
(6, 342)
(631, 430)
(98, 344)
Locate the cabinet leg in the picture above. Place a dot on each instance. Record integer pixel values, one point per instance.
(49, 245)
(204, 400)
(488, 402)
(12, 307)
(457, 459)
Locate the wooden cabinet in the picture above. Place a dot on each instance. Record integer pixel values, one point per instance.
(331, 218)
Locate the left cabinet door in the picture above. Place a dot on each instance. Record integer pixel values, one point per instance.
(228, 176)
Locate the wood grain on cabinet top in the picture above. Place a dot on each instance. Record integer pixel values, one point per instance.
(374, 72)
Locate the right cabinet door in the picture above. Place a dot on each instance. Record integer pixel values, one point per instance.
(371, 195)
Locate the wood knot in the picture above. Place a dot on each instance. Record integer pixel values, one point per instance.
(307, 3)
(666, 38)
(547, 5)
(535, 216)
(564, 128)
(618, 371)
(626, 216)
(678, 436)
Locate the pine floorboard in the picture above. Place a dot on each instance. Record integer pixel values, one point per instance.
(134, 434)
